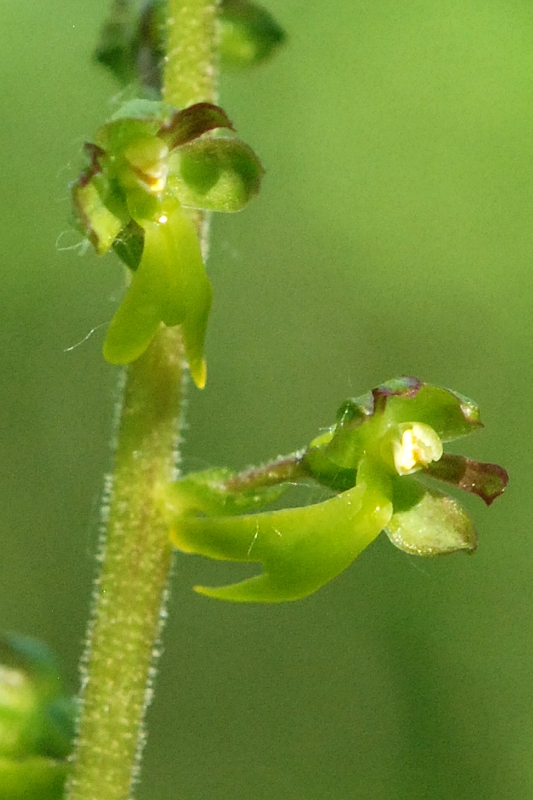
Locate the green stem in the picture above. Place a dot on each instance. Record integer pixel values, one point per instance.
(131, 591)
(191, 66)
(281, 470)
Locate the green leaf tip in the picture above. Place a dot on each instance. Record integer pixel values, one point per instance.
(147, 164)
(372, 459)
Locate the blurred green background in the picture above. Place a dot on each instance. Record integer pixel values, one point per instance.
(394, 235)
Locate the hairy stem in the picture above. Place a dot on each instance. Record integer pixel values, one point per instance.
(191, 65)
(281, 470)
(131, 590)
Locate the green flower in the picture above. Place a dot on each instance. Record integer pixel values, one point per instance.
(146, 166)
(376, 459)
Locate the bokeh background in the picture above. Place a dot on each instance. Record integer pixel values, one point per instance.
(393, 235)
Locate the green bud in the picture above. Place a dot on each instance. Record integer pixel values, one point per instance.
(217, 174)
(115, 50)
(249, 35)
(36, 721)
(133, 45)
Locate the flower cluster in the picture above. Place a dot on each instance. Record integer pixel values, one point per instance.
(147, 165)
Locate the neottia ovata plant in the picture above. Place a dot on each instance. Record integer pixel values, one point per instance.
(167, 158)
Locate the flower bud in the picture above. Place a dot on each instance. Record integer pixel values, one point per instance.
(249, 34)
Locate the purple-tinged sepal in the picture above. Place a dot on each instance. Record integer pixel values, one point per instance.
(188, 124)
(487, 481)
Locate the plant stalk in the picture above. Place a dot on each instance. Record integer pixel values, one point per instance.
(131, 591)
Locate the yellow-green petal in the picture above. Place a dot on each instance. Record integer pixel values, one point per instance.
(300, 549)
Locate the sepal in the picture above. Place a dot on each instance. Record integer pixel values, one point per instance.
(217, 174)
(427, 522)
(192, 122)
(487, 481)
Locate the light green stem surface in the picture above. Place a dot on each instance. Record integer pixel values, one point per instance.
(191, 68)
(131, 591)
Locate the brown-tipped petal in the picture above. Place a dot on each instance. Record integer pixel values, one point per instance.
(192, 122)
(406, 386)
(488, 481)
(94, 155)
